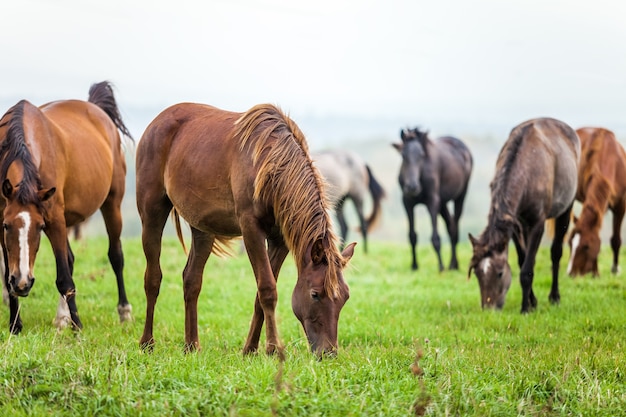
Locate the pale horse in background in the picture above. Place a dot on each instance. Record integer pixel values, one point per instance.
(349, 177)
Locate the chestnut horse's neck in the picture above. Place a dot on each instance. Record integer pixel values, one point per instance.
(288, 182)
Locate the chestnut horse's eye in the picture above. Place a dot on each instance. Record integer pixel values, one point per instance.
(315, 295)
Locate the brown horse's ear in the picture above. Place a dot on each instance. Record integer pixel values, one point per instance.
(347, 253)
(318, 254)
(46, 194)
(472, 239)
(7, 189)
(575, 220)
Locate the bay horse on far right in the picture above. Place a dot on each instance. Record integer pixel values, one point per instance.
(601, 186)
(434, 172)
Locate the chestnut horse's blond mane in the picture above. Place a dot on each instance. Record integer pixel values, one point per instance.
(288, 181)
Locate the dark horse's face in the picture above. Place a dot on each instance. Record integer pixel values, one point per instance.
(317, 310)
(493, 272)
(584, 251)
(413, 159)
(22, 226)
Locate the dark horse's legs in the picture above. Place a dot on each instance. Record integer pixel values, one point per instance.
(453, 232)
(434, 209)
(153, 214)
(341, 218)
(527, 272)
(616, 240)
(201, 245)
(277, 251)
(408, 207)
(560, 229)
(358, 205)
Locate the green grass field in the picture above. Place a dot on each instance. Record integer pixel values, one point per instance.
(411, 343)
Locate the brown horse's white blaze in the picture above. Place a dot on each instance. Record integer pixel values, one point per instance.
(59, 163)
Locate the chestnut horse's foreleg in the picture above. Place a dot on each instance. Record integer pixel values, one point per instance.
(556, 252)
(254, 239)
(410, 214)
(616, 240)
(112, 215)
(277, 252)
(201, 245)
(527, 271)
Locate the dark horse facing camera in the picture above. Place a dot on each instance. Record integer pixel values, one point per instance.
(535, 180)
(434, 173)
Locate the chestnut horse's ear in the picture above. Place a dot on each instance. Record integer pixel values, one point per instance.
(318, 254)
(574, 219)
(7, 189)
(46, 194)
(347, 253)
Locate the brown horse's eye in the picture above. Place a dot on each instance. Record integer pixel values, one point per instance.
(315, 295)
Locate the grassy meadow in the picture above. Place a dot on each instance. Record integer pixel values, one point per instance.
(411, 343)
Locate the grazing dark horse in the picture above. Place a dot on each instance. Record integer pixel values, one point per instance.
(59, 163)
(232, 174)
(433, 173)
(349, 177)
(601, 186)
(535, 180)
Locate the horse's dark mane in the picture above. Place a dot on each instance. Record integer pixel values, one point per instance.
(502, 220)
(420, 136)
(101, 94)
(13, 149)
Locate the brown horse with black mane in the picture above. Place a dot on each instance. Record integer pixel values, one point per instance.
(59, 163)
(535, 180)
(601, 186)
(231, 174)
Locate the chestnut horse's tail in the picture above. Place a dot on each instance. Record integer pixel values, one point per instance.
(179, 232)
(101, 94)
(378, 193)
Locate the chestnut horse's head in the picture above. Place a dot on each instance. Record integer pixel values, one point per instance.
(493, 272)
(584, 250)
(23, 222)
(314, 303)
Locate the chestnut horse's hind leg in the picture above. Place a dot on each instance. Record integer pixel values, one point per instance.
(153, 218)
(277, 251)
(201, 246)
(112, 215)
(616, 240)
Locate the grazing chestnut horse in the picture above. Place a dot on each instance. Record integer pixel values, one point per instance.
(433, 173)
(59, 163)
(349, 177)
(232, 174)
(601, 186)
(535, 180)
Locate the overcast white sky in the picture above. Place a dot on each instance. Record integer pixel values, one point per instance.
(447, 61)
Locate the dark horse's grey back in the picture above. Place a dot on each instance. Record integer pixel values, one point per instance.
(551, 172)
